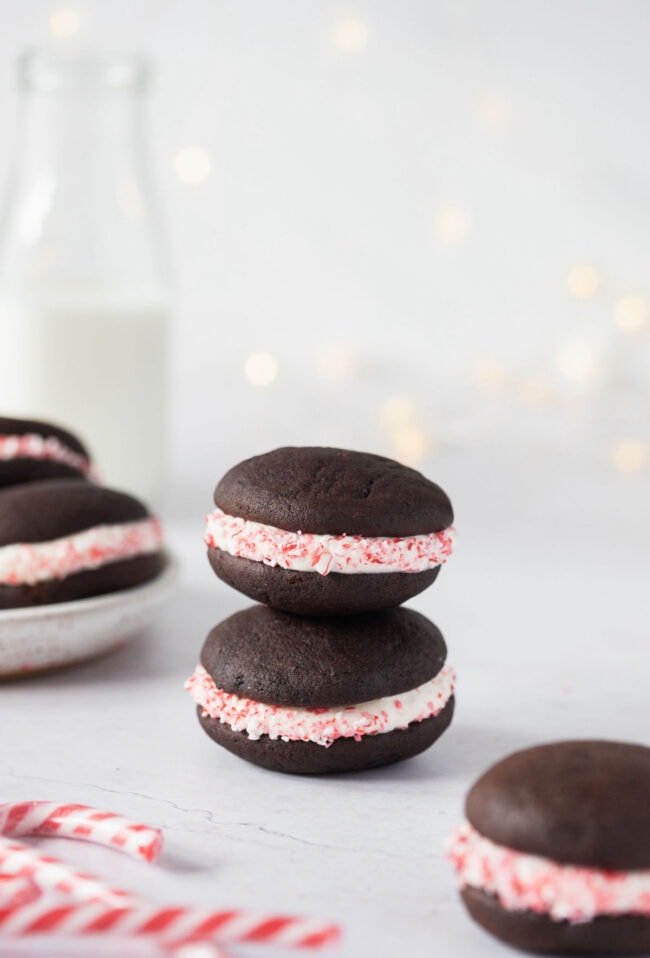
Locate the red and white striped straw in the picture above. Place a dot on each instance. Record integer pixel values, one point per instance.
(82, 822)
(16, 890)
(51, 874)
(169, 927)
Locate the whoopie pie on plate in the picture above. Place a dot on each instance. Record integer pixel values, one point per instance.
(62, 540)
(555, 855)
(320, 531)
(316, 695)
(31, 450)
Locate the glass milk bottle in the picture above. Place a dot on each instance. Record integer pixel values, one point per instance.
(84, 301)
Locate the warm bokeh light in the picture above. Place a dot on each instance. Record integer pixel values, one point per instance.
(583, 281)
(65, 22)
(488, 374)
(632, 313)
(397, 411)
(350, 34)
(630, 455)
(534, 391)
(192, 165)
(261, 369)
(337, 363)
(410, 445)
(578, 363)
(494, 112)
(451, 225)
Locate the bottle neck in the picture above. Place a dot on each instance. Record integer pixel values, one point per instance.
(79, 203)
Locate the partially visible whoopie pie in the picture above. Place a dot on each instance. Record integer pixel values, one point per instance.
(309, 696)
(31, 450)
(63, 539)
(555, 855)
(320, 531)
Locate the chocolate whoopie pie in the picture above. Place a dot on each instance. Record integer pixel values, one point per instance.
(319, 531)
(31, 450)
(63, 539)
(555, 855)
(309, 696)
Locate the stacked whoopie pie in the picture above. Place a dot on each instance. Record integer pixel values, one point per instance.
(62, 536)
(329, 674)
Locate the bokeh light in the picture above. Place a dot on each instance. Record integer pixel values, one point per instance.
(338, 363)
(397, 411)
(578, 363)
(451, 224)
(192, 165)
(410, 445)
(261, 369)
(583, 281)
(350, 34)
(65, 22)
(494, 112)
(632, 313)
(630, 456)
(534, 391)
(489, 374)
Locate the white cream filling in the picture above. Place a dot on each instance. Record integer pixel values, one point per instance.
(321, 725)
(310, 552)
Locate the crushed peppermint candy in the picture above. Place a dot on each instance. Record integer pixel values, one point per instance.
(32, 446)
(308, 552)
(524, 882)
(321, 725)
(29, 563)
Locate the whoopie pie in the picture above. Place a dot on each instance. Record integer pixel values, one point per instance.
(317, 695)
(320, 531)
(31, 450)
(63, 539)
(555, 855)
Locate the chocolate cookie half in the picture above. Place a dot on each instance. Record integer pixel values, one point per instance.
(63, 540)
(309, 696)
(319, 531)
(555, 855)
(31, 450)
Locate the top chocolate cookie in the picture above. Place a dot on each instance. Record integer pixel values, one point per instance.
(31, 450)
(580, 802)
(333, 491)
(322, 531)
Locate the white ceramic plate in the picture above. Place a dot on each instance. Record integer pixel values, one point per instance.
(49, 636)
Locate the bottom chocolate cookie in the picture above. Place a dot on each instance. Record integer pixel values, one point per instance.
(343, 755)
(307, 593)
(539, 934)
(83, 585)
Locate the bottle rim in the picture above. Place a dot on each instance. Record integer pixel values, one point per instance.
(45, 71)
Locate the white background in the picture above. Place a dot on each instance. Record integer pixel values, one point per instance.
(317, 237)
(319, 234)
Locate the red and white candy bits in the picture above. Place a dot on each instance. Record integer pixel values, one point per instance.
(30, 882)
